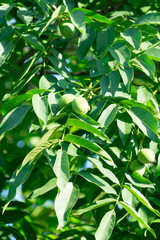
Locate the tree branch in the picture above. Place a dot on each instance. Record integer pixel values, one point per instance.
(105, 9)
(118, 5)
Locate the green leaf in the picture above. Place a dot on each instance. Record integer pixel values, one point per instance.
(78, 19)
(7, 230)
(18, 100)
(94, 205)
(133, 36)
(107, 173)
(61, 169)
(11, 216)
(138, 180)
(90, 177)
(4, 10)
(14, 118)
(87, 144)
(47, 82)
(60, 10)
(28, 230)
(45, 188)
(104, 39)
(23, 172)
(145, 120)
(86, 126)
(144, 94)
(31, 39)
(64, 203)
(141, 198)
(40, 107)
(151, 18)
(124, 123)
(153, 53)
(97, 108)
(145, 64)
(129, 198)
(127, 75)
(104, 83)
(95, 16)
(60, 68)
(25, 15)
(121, 53)
(69, 4)
(146, 215)
(14, 102)
(135, 214)
(85, 42)
(115, 79)
(106, 226)
(26, 76)
(5, 49)
(99, 69)
(108, 115)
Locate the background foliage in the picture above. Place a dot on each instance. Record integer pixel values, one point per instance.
(72, 171)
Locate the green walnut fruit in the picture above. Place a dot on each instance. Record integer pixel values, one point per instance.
(136, 165)
(67, 29)
(146, 156)
(65, 99)
(80, 105)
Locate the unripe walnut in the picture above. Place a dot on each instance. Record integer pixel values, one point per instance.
(146, 156)
(65, 99)
(137, 166)
(67, 29)
(80, 105)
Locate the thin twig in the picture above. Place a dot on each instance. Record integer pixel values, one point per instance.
(118, 5)
(105, 9)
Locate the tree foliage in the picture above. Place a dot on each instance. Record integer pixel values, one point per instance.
(65, 175)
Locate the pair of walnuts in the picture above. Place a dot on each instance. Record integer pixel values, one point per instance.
(145, 156)
(79, 104)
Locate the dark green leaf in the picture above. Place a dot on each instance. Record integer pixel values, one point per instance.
(14, 118)
(145, 64)
(151, 18)
(31, 39)
(5, 49)
(45, 188)
(108, 115)
(106, 226)
(11, 216)
(133, 36)
(61, 169)
(141, 198)
(104, 39)
(145, 121)
(121, 53)
(127, 75)
(64, 203)
(115, 79)
(4, 10)
(86, 126)
(28, 230)
(98, 181)
(23, 172)
(138, 180)
(87, 144)
(135, 214)
(85, 42)
(25, 15)
(94, 205)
